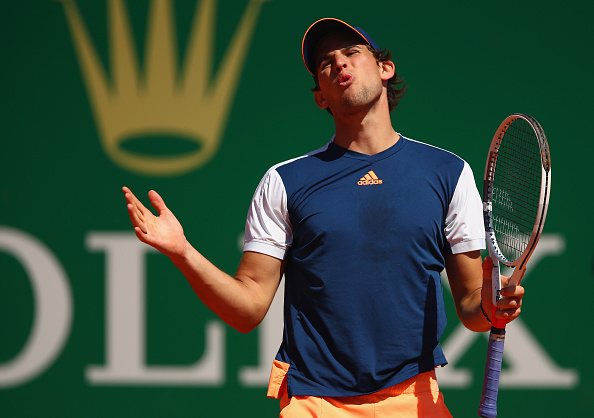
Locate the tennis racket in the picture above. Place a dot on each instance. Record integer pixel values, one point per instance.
(516, 191)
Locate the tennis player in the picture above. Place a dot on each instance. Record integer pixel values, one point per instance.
(361, 229)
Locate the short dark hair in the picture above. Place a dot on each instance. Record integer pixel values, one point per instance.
(396, 85)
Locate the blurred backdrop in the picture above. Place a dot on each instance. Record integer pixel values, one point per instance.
(197, 99)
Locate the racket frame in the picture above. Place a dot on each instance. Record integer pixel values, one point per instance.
(545, 189)
(488, 405)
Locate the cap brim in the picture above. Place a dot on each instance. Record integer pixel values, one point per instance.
(321, 28)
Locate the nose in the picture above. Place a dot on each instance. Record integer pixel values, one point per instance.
(340, 63)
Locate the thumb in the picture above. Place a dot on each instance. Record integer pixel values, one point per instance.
(487, 289)
(487, 268)
(157, 202)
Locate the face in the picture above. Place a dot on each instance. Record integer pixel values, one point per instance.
(349, 77)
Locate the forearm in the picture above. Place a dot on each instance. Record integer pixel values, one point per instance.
(238, 301)
(466, 276)
(470, 313)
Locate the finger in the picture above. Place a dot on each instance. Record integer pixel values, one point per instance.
(140, 234)
(504, 281)
(508, 314)
(135, 219)
(509, 303)
(130, 197)
(157, 202)
(135, 213)
(140, 209)
(513, 291)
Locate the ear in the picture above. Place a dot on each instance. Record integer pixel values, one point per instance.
(320, 99)
(387, 69)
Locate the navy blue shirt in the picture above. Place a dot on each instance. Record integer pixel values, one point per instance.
(364, 238)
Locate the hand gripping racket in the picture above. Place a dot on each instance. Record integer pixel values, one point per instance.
(516, 192)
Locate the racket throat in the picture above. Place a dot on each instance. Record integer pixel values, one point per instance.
(517, 277)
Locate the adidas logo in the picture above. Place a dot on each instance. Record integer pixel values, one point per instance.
(368, 179)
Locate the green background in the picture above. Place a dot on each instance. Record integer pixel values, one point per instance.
(467, 65)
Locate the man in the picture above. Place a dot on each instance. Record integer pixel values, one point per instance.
(361, 229)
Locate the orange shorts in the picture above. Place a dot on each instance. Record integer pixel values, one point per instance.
(415, 397)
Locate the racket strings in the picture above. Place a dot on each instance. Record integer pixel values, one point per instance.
(516, 189)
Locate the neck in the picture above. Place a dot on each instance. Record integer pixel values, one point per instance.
(368, 132)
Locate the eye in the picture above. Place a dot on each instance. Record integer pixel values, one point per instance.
(324, 64)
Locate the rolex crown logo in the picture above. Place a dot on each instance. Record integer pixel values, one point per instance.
(187, 102)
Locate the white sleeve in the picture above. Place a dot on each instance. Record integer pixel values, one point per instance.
(268, 228)
(464, 221)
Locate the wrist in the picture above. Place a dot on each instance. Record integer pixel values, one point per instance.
(182, 254)
(484, 313)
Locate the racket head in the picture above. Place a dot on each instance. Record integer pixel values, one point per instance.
(516, 190)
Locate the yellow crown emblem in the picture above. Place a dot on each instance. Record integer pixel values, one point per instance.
(165, 100)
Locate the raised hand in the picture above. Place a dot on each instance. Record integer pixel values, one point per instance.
(163, 232)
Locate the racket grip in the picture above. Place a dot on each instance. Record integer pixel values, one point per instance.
(488, 406)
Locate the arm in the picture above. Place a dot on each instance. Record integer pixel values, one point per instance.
(241, 301)
(470, 281)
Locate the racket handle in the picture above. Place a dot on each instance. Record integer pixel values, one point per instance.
(488, 406)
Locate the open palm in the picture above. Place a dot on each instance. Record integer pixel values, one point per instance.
(163, 232)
